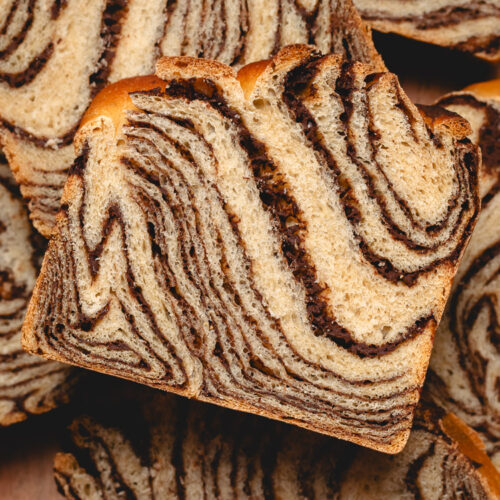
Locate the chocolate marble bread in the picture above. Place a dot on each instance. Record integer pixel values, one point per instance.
(165, 447)
(28, 384)
(56, 55)
(469, 25)
(465, 375)
(282, 243)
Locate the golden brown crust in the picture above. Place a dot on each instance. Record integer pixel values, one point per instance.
(248, 75)
(437, 117)
(471, 445)
(394, 447)
(485, 90)
(114, 99)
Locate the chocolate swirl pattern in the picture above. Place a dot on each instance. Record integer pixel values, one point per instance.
(28, 384)
(56, 55)
(470, 26)
(171, 448)
(443, 459)
(465, 367)
(224, 247)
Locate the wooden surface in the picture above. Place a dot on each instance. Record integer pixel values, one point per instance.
(27, 449)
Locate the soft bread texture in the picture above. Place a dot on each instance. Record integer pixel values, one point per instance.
(287, 254)
(465, 366)
(56, 55)
(28, 384)
(469, 25)
(160, 446)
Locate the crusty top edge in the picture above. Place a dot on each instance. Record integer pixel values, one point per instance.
(169, 68)
(114, 99)
(249, 74)
(437, 118)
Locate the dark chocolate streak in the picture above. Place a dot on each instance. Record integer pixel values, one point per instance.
(25, 77)
(411, 478)
(8, 18)
(182, 212)
(170, 288)
(489, 45)
(19, 37)
(250, 452)
(299, 80)
(98, 446)
(214, 27)
(446, 16)
(112, 18)
(57, 7)
(52, 326)
(308, 17)
(283, 208)
(161, 269)
(463, 327)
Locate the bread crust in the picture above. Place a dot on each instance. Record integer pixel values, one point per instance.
(437, 117)
(112, 103)
(485, 90)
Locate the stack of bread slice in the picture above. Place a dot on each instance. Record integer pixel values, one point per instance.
(28, 384)
(268, 224)
(150, 445)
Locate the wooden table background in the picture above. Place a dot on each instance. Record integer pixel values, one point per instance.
(27, 449)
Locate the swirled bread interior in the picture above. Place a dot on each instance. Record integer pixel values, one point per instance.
(465, 366)
(56, 55)
(159, 446)
(282, 243)
(28, 384)
(469, 25)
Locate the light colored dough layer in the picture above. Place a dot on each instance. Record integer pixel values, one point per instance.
(197, 253)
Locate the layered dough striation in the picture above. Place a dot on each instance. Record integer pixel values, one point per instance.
(164, 447)
(465, 366)
(281, 244)
(28, 384)
(470, 26)
(56, 55)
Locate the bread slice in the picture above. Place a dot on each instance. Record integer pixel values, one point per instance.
(28, 384)
(160, 446)
(55, 57)
(466, 362)
(282, 243)
(443, 459)
(470, 26)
